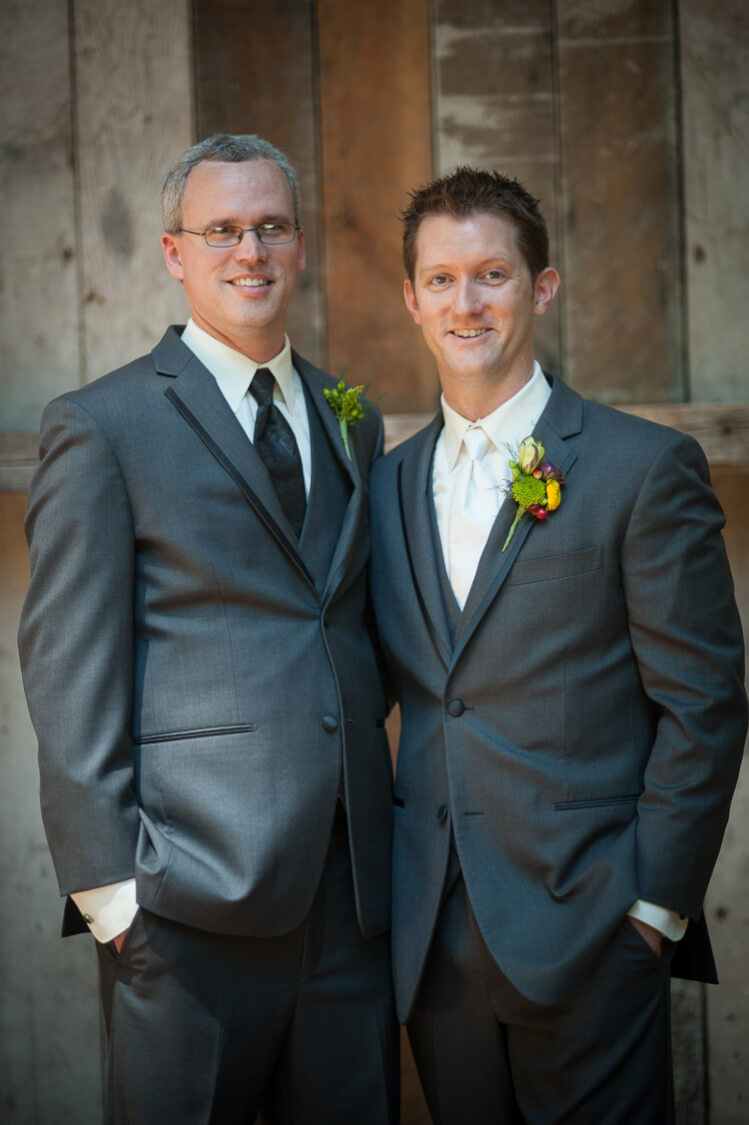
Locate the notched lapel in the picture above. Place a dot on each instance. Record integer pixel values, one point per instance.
(354, 521)
(193, 391)
(561, 419)
(414, 494)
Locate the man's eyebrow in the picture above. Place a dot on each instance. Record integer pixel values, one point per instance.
(233, 221)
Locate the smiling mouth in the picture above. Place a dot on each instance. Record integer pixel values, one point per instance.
(251, 282)
(469, 333)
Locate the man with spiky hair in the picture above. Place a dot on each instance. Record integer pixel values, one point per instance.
(215, 776)
(557, 617)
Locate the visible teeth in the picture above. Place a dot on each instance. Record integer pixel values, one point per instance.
(468, 333)
(250, 282)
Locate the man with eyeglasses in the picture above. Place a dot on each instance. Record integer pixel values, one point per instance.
(215, 777)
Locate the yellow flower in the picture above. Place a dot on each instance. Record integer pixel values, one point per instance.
(553, 495)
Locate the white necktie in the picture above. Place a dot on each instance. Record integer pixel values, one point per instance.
(473, 509)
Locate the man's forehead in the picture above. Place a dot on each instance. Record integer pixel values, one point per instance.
(458, 232)
(246, 182)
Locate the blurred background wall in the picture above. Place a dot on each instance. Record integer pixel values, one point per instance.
(628, 118)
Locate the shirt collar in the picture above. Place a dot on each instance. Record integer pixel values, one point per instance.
(506, 426)
(234, 371)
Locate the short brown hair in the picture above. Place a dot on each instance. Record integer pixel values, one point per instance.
(468, 191)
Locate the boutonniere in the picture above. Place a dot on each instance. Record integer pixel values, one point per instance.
(536, 485)
(345, 402)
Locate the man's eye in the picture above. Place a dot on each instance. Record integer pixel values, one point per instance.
(438, 279)
(495, 275)
(223, 231)
(270, 228)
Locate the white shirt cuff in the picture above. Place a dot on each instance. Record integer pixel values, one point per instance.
(672, 925)
(109, 910)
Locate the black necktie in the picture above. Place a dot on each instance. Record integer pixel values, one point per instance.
(275, 442)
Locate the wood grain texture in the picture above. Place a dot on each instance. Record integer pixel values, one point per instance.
(375, 145)
(722, 429)
(495, 108)
(255, 68)
(39, 354)
(611, 19)
(620, 194)
(715, 115)
(727, 905)
(132, 65)
(50, 1066)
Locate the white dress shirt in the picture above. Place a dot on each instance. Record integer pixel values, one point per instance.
(506, 427)
(109, 910)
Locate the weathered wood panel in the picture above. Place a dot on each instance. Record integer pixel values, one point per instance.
(255, 67)
(620, 193)
(727, 907)
(375, 145)
(39, 354)
(494, 108)
(715, 116)
(132, 64)
(49, 1015)
(721, 429)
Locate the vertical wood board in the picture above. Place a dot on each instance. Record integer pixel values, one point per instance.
(613, 19)
(134, 118)
(495, 109)
(727, 905)
(376, 146)
(715, 113)
(49, 1014)
(39, 352)
(255, 68)
(621, 212)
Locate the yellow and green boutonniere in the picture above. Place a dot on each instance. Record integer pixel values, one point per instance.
(536, 485)
(346, 405)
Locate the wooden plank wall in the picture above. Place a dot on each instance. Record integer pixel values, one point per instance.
(38, 354)
(628, 118)
(714, 55)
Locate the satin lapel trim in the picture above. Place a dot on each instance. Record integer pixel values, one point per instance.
(414, 483)
(353, 527)
(311, 377)
(196, 396)
(495, 563)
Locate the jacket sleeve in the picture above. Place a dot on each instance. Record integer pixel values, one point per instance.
(76, 648)
(687, 640)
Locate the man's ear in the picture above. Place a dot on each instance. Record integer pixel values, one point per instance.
(411, 303)
(170, 250)
(545, 290)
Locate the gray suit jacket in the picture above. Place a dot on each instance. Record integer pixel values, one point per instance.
(581, 738)
(202, 684)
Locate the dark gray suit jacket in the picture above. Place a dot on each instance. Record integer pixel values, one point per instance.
(202, 685)
(581, 737)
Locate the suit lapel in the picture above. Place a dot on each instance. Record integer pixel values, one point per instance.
(354, 521)
(193, 391)
(414, 494)
(561, 419)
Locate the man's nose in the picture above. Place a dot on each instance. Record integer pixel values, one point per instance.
(250, 248)
(468, 297)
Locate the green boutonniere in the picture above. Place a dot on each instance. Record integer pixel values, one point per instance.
(345, 402)
(536, 485)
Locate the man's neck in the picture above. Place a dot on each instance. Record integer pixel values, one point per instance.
(474, 400)
(260, 349)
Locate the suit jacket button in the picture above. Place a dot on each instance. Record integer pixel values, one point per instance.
(456, 707)
(329, 723)
(442, 814)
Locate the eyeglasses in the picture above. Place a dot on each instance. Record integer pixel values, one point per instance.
(270, 234)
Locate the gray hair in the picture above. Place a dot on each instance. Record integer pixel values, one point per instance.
(230, 148)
